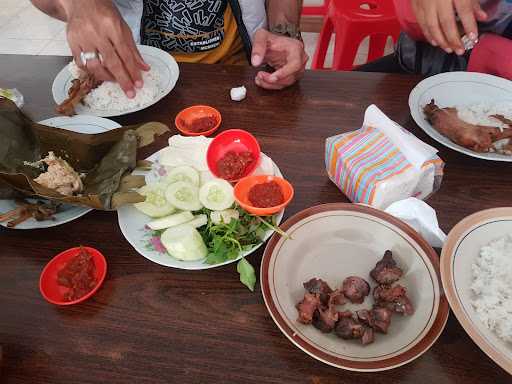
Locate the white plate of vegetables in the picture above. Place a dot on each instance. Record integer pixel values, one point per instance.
(190, 219)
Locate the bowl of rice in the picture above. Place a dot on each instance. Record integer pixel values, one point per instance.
(108, 99)
(476, 271)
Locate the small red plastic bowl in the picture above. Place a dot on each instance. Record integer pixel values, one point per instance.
(188, 115)
(236, 140)
(53, 292)
(243, 187)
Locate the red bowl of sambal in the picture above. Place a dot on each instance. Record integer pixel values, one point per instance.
(198, 120)
(233, 155)
(263, 195)
(73, 276)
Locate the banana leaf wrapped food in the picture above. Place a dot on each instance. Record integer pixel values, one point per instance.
(104, 161)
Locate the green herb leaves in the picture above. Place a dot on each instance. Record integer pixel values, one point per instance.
(247, 274)
(226, 241)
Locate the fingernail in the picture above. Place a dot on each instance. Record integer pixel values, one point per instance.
(130, 94)
(138, 84)
(459, 52)
(256, 60)
(449, 50)
(472, 36)
(273, 78)
(434, 43)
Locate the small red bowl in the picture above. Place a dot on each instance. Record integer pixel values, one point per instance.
(188, 115)
(53, 292)
(243, 187)
(233, 140)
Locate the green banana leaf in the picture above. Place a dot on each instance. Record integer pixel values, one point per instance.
(107, 159)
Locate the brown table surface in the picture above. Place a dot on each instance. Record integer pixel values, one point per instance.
(151, 324)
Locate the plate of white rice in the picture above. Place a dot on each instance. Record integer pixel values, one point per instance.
(476, 271)
(108, 99)
(476, 96)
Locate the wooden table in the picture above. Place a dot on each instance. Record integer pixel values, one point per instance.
(150, 324)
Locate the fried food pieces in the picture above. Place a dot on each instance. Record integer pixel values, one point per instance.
(478, 138)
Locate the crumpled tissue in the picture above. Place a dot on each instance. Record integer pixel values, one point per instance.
(421, 216)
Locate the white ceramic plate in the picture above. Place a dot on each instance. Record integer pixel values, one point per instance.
(332, 242)
(156, 58)
(66, 212)
(132, 222)
(82, 123)
(459, 253)
(456, 89)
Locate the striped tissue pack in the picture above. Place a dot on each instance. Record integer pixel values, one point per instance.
(382, 163)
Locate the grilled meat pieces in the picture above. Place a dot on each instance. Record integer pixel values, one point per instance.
(386, 270)
(79, 89)
(355, 289)
(393, 298)
(320, 287)
(307, 307)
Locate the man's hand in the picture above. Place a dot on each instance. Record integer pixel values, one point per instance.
(437, 21)
(97, 26)
(284, 54)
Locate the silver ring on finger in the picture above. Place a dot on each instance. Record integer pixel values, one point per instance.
(87, 56)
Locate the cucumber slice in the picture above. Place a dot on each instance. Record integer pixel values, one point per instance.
(198, 221)
(217, 195)
(171, 221)
(155, 205)
(184, 196)
(182, 173)
(184, 242)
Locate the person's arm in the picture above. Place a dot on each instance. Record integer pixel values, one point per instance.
(96, 26)
(283, 13)
(52, 8)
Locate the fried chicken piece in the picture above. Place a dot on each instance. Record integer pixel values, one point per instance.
(79, 89)
(381, 319)
(393, 298)
(307, 307)
(40, 211)
(355, 289)
(478, 138)
(320, 287)
(388, 293)
(386, 270)
(337, 298)
(503, 119)
(377, 318)
(325, 319)
(368, 336)
(348, 327)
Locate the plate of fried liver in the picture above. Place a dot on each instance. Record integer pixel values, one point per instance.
(354, 287)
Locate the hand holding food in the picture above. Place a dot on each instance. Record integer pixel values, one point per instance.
(437, 19)
(286, 55)
(96, 28)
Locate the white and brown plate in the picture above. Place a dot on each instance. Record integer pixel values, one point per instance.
(334, 241)
(460, 251)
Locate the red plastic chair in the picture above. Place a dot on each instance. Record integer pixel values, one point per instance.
(315, 10)
(353, 21)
